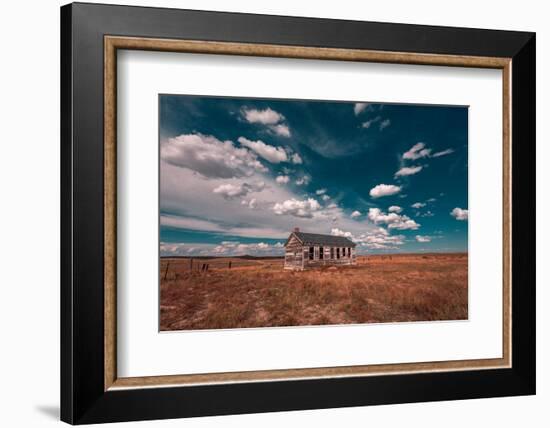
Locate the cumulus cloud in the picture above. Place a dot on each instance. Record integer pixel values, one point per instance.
(393, 220)
(443, 153)
(304, 180)
(282, 179)
(265, 117)
(231, 191)
(235, 248)
(384, 124)
(417, 151)
(408, 170)
(325, 197)
(209, 156)
(420, 238)
(380, 239)
(173, 249)
(405, 223)
(338, 232)
(269, 118)
(250, 204)
(395, 209)
(281, 129)
(269, 153)
(367, 124)
(296, 159)
(320, 191)
(460, 214)
(355, 214)
(298, 208)
(377, 239)
(418, 205)
(358, 108)
(384, 190)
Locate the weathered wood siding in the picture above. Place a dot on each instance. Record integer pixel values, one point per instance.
(299, 256)
(293, 254)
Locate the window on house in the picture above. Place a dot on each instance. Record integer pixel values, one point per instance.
(349, 252)
(331, 252)
(311, 252)
(337, 253)
(321, 253)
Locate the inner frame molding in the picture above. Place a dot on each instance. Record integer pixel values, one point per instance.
(113, 43)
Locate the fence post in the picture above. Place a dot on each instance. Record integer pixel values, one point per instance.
(166, 271)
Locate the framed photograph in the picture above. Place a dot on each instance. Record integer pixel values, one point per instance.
(266, 213)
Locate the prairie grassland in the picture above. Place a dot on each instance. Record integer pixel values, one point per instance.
(259, 293)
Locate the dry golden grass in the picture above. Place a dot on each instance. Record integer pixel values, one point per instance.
(259, 293)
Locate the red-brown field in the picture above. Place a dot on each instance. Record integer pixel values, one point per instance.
(259, 293)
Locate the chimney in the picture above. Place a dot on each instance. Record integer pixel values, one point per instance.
(296, 229)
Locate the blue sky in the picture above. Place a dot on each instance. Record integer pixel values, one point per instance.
(238, 174)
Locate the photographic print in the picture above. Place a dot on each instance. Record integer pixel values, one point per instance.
(281, 212)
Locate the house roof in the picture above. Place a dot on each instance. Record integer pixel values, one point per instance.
(319, 239)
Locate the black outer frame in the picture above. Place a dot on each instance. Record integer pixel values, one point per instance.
(83, 399)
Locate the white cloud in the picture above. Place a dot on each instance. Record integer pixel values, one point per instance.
(338, 232)
(395, 209)
(380, 239)
(269, 118)
(250, 204)
(265, 117)
(459, 214)
(173, 249)
(393, 220)
(224, 248)
(231, 191)
(384, 124)
(384, 190)
(303, 180)
(408, 170)
(325, 197)
(281, 129)
(270, 153)
(209, 156)
(443, 153)
(370, 122)
(198, 208)
(298, 208)
(420, 238)
(418, 205)
(417, 151)
(355, 214)
(296, 159)
(405, 223)
(235, 248)
(376, 239)
(359, 107)
(320, 191)
(282, 179)
(377, 216)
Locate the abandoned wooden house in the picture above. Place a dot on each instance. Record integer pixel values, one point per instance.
(307, 250)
